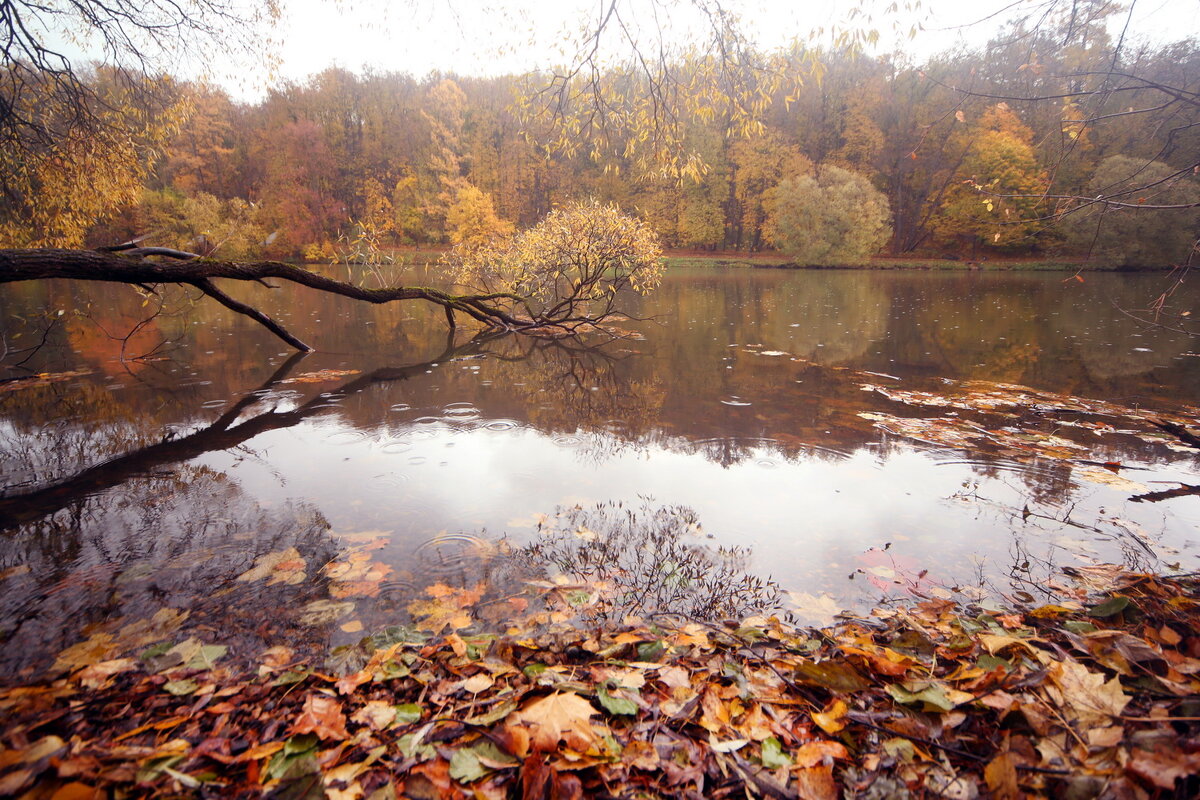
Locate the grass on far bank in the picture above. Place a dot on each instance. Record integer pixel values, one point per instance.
(772, 260)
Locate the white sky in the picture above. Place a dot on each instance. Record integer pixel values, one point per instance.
(486, 37)
(492, 37)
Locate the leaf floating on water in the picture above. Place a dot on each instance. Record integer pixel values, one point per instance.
(817, 610)
(13, 572)
(322, 612)
(285, 566)
(321, 376)
(1105, 477)
(41, 379)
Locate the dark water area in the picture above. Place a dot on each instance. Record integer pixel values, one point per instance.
(181, 474)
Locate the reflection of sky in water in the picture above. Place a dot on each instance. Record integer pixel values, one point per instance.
(808, 518)
(743, 406)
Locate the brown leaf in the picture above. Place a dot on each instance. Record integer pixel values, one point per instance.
(832, 719)
(76, 791)
(816, 783)
(819, 752)
(378, 714)
(1163, 768)
(323, 716)
(715, 713)
(1087, 697)
(641, 755)
(1001, 777)
(559, 716)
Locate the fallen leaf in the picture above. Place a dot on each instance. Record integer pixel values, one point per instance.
(323, 716)
(561, 716)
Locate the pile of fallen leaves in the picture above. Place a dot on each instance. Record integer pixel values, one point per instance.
(1091, 698)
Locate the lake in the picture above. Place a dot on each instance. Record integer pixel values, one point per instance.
(800, 442)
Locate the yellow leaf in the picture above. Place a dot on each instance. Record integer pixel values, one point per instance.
(832, 719)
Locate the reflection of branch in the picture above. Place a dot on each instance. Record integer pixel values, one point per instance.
(1183, 490)
(1179, 432)
(35, 348)
(222, 434)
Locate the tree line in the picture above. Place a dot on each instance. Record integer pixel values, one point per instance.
(1051, 140)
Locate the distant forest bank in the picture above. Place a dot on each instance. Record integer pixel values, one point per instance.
(872, 156)
(689, 258)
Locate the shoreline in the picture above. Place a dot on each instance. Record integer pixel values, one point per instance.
(1097, 695)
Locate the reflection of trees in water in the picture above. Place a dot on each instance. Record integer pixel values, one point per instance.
(1104, 339)
(652, 561)
(836, 318)
(993, 333)
(174, 541)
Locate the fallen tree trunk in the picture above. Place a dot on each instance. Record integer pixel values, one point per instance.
(150, 266)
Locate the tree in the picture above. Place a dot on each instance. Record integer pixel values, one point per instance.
(832, 217)
(1124, 235)
(54, 190)
(995, 199)
(1071, 69)
(472, 219)
(571, 269)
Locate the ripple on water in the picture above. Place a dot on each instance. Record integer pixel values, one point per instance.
(568, 440)
(346, 437)
(501, 425)
(460, 412)
(397, 446)
(213, 404)
(734, 400)
(393, 479)
(399, 407)
(448, 553)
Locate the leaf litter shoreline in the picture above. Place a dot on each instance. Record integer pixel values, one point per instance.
(1096, 696)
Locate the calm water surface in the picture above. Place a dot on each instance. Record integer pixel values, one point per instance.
(190, 445)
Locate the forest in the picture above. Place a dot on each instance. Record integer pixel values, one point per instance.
(975, 154)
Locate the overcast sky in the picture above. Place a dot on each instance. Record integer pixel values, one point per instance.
(492, 37)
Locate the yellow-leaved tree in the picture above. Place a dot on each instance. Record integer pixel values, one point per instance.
(995, 198)
(472, 221)
(56, 190)
(571, 268)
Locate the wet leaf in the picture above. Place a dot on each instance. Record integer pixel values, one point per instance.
(1110, 607)
(832, 719)
(323, 612)
(295, 759)
(322, 716)
(407, 713)
(619, 703)
(465, 766)
(1086, 696)
(773, 756)
(285, 566)
(839, 676)
(557, 717)
(181, 687)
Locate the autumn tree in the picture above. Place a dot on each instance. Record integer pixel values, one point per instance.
(472, 219)
(1125, 226)
(831, 217)
(995, 200)
(571, 268)
(55, 190)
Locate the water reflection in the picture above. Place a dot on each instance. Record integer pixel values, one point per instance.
(744, 402)
(650, 560)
